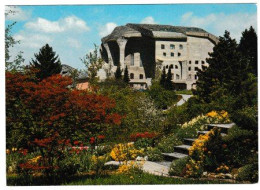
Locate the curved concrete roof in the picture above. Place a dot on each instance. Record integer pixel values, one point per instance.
(157, 31)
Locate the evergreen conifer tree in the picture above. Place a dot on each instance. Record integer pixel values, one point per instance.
(118, 73)
(126, 78)
(47, 62)
(163, 77)
(248, 48)
(168, 82)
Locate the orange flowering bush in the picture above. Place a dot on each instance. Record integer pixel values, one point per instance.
(206, 154)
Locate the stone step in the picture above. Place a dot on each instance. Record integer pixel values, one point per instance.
(183, 149)
(223, 127)
(189, 141)
(205, 132)
(173, 156)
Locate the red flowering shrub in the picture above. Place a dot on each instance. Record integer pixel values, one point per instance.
(136, 136)
(48, 115)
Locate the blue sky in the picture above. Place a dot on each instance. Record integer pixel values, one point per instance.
(72, 30)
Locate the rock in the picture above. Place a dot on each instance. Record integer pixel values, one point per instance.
(205, 174)
(139, 158)
(228, 176)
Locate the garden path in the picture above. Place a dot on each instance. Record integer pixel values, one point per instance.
(185, 97)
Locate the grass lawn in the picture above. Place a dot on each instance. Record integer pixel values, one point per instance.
(119, 179)
(188, 92)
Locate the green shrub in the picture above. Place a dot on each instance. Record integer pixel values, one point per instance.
(178, 167)
(166, 144)
(240, 146)
(143, 143)
(154, 154)
(248, 172)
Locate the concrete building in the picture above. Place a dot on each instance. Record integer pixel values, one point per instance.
(141, 46)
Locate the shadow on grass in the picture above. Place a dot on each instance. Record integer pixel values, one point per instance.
(116, 179)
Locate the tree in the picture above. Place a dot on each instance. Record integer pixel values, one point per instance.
(168, 82)
(46, 116)
(248, 48)
(93, 63)
(47, 62)
(118, 73)
(14, 65)
(163, 77)
(126, 78)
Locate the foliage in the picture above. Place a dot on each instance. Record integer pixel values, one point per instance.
(178, 167)
(118, 73)
(93, 63)
(139, 111)
(167, 143)
(48, 116)
(144, 143)
(168, 82)
(248, 48)
(248, 172)
(124, 152)
(162, 98)
(154, 154)
(14, 65)
(46, 62)
(163, 77)
(126, 78)
(206, 153)
(98, 163)
(241, 146)
(130, 167)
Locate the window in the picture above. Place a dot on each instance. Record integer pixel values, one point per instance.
(141, 63)
(189, 68)
(179, 54)
(202, 62)
(132, 85)
(162, 46)
(177, 77)
(164, 54)
(141, 76)
(181, 46)
(142, 85)
(196, 62)
(172, 46)
(172, 54)
(189, 62)
(132, 63)
(176, 66)
(171, 66)
(166, 66)
(196, 68)
(196, 77)
(132, 75)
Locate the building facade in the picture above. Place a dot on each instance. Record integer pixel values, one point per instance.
(141, 46)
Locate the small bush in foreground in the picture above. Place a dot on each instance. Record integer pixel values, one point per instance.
(248, 172)
(178, 167)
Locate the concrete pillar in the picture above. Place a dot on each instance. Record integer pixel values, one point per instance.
(122, 43)
(184, 70)
(110, 59)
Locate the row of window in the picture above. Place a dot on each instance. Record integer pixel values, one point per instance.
(172, 54)
(195, 77)
(132, 76)
(196, 68)
(197, 62)
(172, 46)
(171, 66)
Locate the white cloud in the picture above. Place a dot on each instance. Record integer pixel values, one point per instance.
(148, 20)
(218, 23)
(28, 40)
(69, 23)
(74, 43)
(107, 29)
(16, 13)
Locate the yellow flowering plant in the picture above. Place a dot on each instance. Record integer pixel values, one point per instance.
(98, 162)
(122, 152)
(129, 167)
(205, 153)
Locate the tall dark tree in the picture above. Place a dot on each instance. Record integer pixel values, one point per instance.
(126, 78)
(223, 63)
(163, 77)
(47, 62)
(118, 73)
(168, 82)
(248, 48)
